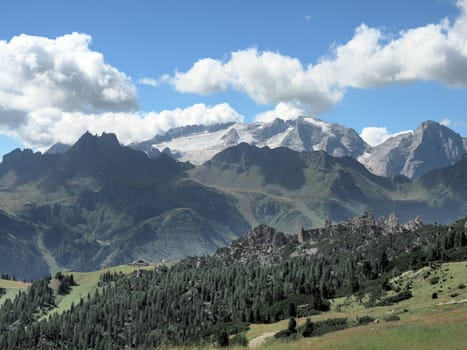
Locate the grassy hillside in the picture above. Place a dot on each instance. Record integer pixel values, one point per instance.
(11, 288)
(287, 189)
(425, 323)
(88, 283)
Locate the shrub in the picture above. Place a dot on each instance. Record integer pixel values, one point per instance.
(406, 294)
(223, 339)
(331, 325)
(434, 280)
(282, 334)
(292, 327)
(434, 295)
(391, 318)
(461, 286)
(308, 331)
(239, 340)
(453, 295)
(365, 320)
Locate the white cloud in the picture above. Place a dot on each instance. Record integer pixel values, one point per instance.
(267, 77)
(47, 126)
(371, 58)
(53, 90)
(38, 72)
(283, 111)
(376, 135)
(148, 81)
(446, 122)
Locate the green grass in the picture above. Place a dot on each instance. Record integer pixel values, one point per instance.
(87, 283)
(425, 323)
(12, 288)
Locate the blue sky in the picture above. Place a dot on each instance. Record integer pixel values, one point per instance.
(156, 39)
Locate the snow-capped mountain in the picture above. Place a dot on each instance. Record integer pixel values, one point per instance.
(198, 144)
(430, 146)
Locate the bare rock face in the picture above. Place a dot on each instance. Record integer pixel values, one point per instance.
(413, 224)
(231, 138)
(362, 224)
(431, 146)
(262, 245)
(393, 222)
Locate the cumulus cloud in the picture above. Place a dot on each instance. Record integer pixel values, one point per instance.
(267, 77)
(371, 58)
(53, 90)
(38, 72)
(283, 111)
(47, 126)
(376, 135)
(9, 118)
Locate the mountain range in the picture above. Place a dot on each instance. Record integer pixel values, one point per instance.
(98, 203)
(429, 147)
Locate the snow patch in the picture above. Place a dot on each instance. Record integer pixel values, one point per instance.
(325, 127)
(363, 158)
(276, 140)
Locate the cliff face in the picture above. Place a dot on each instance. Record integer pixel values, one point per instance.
(431, 146)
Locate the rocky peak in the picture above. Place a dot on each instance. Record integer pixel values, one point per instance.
(58, 148)
(18, 156)
(264, 235)
(263, 244)
(362, 224)
(231, 137)
(429, 147)
(92, 143)
(413, 224)
(198, 144)
(26, 163)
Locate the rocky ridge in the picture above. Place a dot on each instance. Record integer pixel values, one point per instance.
(265, 245)
(429, 147)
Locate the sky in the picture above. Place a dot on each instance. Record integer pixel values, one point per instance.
(138, 68)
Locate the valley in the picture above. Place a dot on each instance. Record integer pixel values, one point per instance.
(379, 269)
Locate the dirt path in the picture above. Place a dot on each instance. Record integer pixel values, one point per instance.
(453, 301)
(254, 343)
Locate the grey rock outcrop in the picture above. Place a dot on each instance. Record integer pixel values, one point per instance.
(431, 146)
(366, 224)
(262, 244)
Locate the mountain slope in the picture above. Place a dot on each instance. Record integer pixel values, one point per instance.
(431, 146)
(288, 189)
(198, 143)
(191, 302)
(102, 204)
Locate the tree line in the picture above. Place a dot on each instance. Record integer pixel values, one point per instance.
(199, 298)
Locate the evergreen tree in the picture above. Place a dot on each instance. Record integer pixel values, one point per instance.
(308, 331)
(223, 339)
(292, 326)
